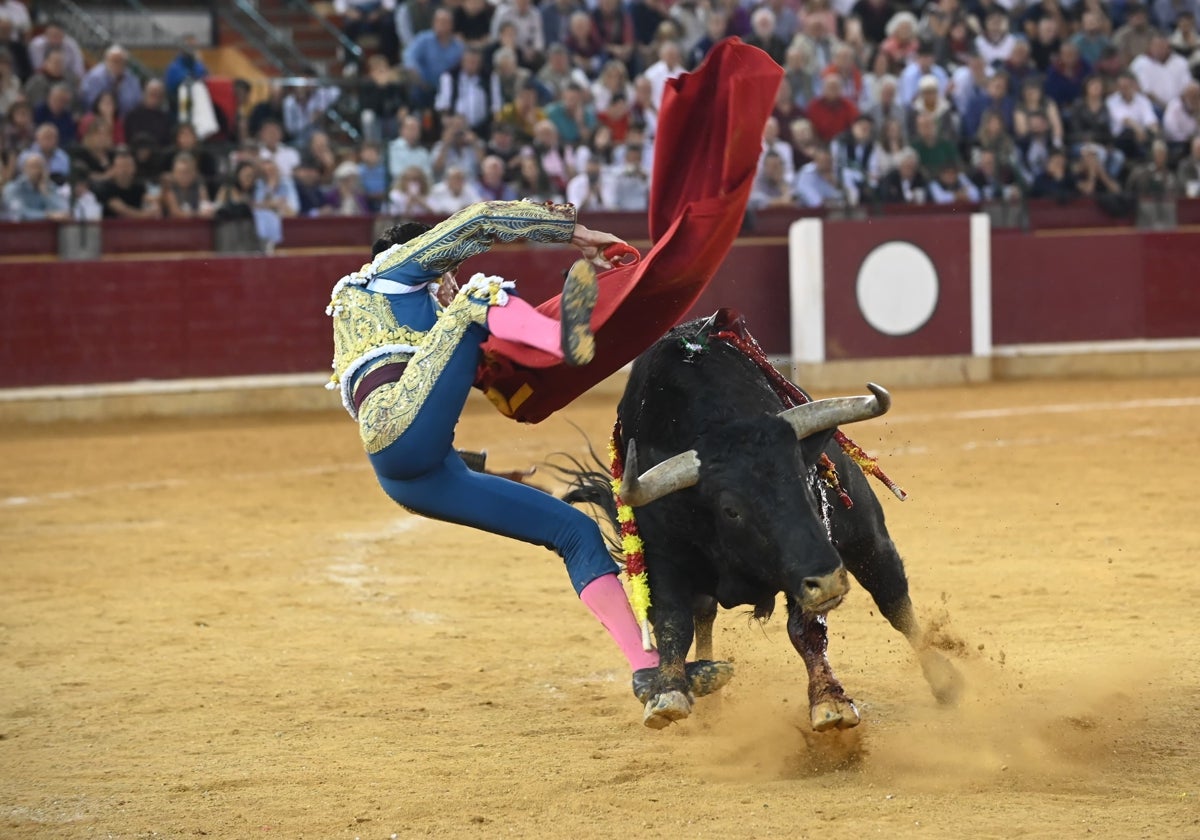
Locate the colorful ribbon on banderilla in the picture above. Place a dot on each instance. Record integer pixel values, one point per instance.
(632, 547)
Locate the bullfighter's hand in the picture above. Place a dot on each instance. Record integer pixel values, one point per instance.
(447, 289)
(592, 244)
(519, 476)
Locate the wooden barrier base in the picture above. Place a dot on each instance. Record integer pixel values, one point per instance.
(305, 392)
(908, 372)
(1097, 364)
(198, 398)
(916, 372)
(169, 398)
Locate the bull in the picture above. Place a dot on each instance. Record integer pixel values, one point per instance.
(733, 510)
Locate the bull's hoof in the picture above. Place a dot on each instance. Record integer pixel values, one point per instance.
(666, 708)
(834, 714)
(704, 677)
(707, 676)
(944, 679)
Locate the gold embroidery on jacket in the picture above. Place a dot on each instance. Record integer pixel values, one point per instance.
(390, 409)
(475, 229)
(362, 325)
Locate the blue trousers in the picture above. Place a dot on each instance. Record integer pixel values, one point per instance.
(422, 472)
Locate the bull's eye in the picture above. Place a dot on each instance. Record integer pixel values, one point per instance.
(731, 513)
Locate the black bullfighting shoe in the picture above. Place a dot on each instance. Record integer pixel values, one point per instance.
(475, 461)
(579, 295)
(704, 676)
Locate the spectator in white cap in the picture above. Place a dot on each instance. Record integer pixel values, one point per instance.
(930, 101)
(920, 68)
(351, 199)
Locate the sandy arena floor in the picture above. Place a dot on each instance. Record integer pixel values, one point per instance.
(223, 628)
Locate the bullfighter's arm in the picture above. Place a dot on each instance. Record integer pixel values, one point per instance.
(473, 231)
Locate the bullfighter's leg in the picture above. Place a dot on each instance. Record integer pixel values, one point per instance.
(421, 471)
(870, 555)
(454, 493)
(570, 338)
(829, 706)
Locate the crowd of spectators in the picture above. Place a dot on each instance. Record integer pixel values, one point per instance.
(454, 101)
(955, 101)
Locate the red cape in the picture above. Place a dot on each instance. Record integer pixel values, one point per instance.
(705, 161)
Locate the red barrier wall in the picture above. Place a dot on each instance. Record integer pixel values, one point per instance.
(123, 320)
(1095, 287)
(117, 320)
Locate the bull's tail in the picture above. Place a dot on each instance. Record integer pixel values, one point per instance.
(588, 482)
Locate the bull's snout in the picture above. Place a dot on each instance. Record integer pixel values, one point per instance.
(823, 593)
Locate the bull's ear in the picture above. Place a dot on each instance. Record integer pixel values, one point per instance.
(812, 446)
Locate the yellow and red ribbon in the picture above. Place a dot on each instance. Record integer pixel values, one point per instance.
(632, 547)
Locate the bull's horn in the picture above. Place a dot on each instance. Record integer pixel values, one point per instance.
(675, 473)
(817, 416)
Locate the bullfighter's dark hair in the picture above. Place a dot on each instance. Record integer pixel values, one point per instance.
(398, 234)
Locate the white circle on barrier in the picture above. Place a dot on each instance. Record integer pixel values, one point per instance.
(897, 288)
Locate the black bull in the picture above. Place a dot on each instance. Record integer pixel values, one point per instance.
(732, 512)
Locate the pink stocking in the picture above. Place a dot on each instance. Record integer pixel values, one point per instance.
(518, 321)
(605, 597)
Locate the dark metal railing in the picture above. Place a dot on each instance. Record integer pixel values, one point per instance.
(272, 41)
(296, 67)
(87, 30)
(167, 38)
(353, 51)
